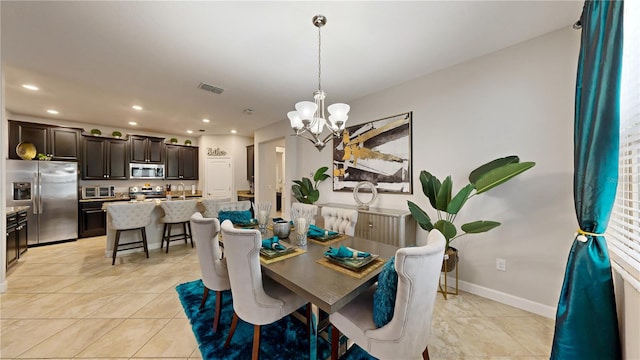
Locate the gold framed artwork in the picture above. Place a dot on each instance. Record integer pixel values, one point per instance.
(378, 151)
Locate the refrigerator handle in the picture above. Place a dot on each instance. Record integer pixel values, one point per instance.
(34, 195)
(39, 193)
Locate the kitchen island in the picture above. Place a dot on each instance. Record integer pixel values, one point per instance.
(153, 230)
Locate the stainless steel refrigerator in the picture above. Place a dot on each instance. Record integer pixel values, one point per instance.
(50, 188)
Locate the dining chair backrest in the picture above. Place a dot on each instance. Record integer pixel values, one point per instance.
(125, 215)
(340, 220)
(211, 206)
(307, 208)
(176, 211)
(212, 265)
(235, 206)
(418, 270)
(242, 250)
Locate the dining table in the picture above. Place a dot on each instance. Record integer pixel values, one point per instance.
(325, 287)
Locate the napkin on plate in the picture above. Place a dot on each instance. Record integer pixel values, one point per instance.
(345, 252)
(317, 231)
(272, 243)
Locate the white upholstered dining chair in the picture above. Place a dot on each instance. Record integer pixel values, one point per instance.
(306, 208)
(257, 300)
(211, 206)
(407, 334)
(340, 220)
(212, 265)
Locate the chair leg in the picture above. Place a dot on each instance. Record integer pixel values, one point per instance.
(216, 315)
(335, 342)
(256, 342)
(308, 307)
(184, 231)
(204, 297)
(115, 247)
(190, 233)
(164, 235)
(425, 353)
(144, 240)
(169, 226)
(232, 330)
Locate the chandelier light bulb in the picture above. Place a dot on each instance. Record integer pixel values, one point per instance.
(306, 109)
(295, 120)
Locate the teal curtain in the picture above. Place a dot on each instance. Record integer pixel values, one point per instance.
(586, 320)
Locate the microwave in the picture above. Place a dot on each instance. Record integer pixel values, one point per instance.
(146, 171)
(96, 192)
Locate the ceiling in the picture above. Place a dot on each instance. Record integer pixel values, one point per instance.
(93, 60)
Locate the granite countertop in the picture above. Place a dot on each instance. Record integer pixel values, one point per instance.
(15, 209)
(245, 193)
(175, 195)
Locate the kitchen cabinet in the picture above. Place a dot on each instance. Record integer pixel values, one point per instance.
(61, 143)
(104, 158)
(250, 162)
(21, 232)
(92, 220)
(146, 149)
(181, 163)
(12, 243)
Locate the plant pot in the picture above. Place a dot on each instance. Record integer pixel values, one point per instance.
(450, 261)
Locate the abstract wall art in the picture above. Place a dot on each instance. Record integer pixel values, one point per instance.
(378, 151)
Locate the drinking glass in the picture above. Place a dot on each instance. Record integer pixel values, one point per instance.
(263, 211)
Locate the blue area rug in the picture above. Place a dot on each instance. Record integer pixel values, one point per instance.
(284, 339)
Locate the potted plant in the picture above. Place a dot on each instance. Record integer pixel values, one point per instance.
(96, 132)
(440, 197)
(174, 140)
(116, 134)
(187, 142)
(307, 192)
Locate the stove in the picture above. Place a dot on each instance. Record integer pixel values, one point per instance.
(147, 191)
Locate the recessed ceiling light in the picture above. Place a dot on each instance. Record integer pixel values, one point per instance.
(233, 131)
(133, 123)
(205, 120)
(54, 112)
(189, 132)
(137, 107)
(30, 87)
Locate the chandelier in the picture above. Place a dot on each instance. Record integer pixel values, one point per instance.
(309, 121)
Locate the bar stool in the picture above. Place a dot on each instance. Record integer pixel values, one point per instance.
(128, 217)
(177, 212)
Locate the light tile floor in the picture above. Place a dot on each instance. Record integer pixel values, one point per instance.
(66, 301)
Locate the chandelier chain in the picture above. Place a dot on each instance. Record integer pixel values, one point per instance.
(319, 62)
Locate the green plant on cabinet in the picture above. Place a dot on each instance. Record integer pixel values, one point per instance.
(306, 191)
(440, 197)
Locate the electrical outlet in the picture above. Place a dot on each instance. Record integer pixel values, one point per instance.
(501, 264)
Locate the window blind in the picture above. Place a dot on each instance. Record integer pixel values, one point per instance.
(623, 233)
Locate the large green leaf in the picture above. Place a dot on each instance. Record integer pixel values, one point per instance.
(421, 217)
(297, 194)
(479, 226)
(307, 184)
(320, 174)
(461, 197)
(427, 187)
(483, 169)
(500, 175)
(313, 196)
(444, 194)
(446, 228)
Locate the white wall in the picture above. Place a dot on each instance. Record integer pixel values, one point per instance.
(4, 140)
(515, 101)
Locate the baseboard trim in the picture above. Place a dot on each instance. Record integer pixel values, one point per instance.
(504, 298)
(4, 286)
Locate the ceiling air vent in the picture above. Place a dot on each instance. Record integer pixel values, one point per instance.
(213, 89)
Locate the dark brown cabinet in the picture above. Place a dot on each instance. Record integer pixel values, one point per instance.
(16, 241)
(92, 219)
(145, 149)
(250, 162)
(182, 162)
(61, 143)
(104, 158)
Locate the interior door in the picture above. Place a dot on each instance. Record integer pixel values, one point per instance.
(219, 183)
